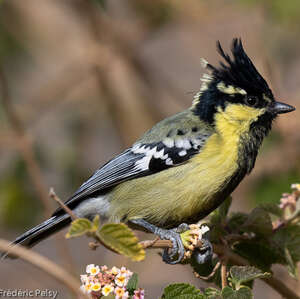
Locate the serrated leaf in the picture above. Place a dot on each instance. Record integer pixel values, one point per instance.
(242, 274)
(212, 293)
(258, 252)
(79, 227)
(132, 283)
(236, 220)
(259, 222)
(182, 291)
(242, 293)
(287, 237)
(291, 265)
(121, 238)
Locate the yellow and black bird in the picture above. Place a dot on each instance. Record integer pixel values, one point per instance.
(186, 165)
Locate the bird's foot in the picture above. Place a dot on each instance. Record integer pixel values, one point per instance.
(183, 227)
(175, 254)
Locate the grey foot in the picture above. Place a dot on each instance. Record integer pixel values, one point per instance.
(173, 255)
(183, 227)
(205, 253)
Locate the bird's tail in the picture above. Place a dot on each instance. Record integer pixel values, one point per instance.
(40, 232)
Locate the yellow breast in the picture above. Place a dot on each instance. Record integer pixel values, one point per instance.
(181, 192)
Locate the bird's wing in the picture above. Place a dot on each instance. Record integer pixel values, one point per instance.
(140, 160)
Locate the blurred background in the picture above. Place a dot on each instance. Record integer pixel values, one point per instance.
(80, 80)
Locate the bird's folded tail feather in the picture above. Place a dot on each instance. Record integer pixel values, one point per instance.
(40, 232)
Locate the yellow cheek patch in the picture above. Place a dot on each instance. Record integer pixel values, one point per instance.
(231, 90)
(243, 112)
(237, 116)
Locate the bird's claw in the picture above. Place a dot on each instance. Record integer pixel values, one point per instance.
(176, 253)
(183, 227)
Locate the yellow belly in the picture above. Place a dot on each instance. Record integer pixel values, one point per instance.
(177, 193)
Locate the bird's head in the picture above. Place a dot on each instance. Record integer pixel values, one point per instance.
(236, 90)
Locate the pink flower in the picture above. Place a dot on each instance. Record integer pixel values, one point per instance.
(139, 294)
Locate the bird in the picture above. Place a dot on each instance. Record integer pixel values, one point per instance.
(186, 165)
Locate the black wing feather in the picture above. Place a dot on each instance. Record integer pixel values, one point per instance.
(130, 164)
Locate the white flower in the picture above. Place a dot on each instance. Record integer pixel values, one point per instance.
(96, 287)
(121, 279)
(92, 269)
(114, 270)
(107, 289)
(86, 288)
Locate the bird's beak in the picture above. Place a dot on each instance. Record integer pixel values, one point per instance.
(279, 108)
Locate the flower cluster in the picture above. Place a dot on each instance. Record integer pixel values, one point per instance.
(290, 199)
(100, 282)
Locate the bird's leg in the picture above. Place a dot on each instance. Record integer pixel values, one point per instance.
(165, 234)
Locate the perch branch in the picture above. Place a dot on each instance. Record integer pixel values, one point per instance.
(45, 265)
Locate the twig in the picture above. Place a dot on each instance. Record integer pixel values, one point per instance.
(151, 243)
(44, 264)
(53, 195)
(213, 272)
(224, 272)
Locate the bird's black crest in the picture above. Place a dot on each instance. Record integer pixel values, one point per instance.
(239, 70)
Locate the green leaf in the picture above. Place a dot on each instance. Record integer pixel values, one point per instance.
(259, 222)
(121, 238)
(242, 293)
(132, 283)
(212, 293)
(79, 227)
(236, 220)
(242, 274)
(287, 237)
(182, 291)
(258, 252)
(291, 265)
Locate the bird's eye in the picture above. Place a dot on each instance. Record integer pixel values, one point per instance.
(251, 101)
